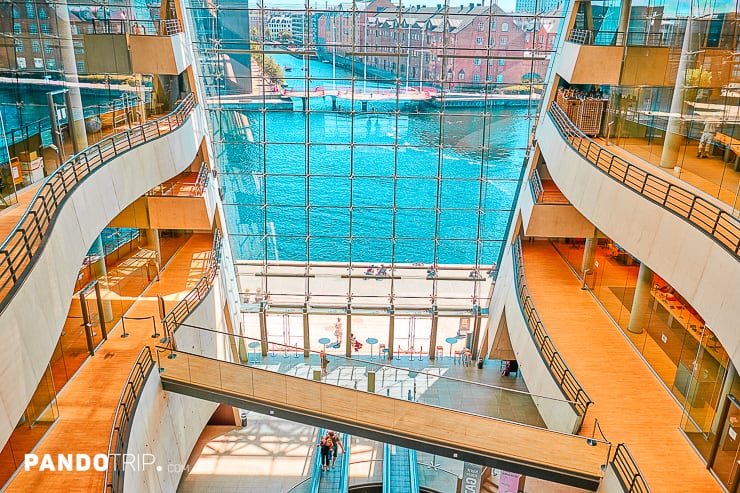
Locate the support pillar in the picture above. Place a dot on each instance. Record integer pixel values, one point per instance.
(348, 333)
(263, 327)
(674, 130)
(76, 117)
(433, 335)
(476, 332)
(306, 333)
(99, 271)
(589, 252)
(152, 240)
(641, 303)
(391, 331)
(624, 21)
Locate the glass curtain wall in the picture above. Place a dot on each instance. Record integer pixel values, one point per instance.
(676, 106)
(370, 152)
(669, 333)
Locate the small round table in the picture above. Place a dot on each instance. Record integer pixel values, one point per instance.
(254, 345)
(372, 341)
(324, 341)
(451, 341)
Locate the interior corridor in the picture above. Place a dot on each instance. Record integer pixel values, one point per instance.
(630, 402)
(87, 404)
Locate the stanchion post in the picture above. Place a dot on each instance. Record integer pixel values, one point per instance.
(123, 324)
(155, 334)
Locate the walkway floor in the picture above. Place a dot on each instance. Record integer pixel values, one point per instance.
(630, 402)
(9, 217)
(713, 175)
(87, 404)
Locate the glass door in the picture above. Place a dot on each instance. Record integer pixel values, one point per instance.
(725, 462)
(91, 306)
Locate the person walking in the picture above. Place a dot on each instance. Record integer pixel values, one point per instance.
(336, 445)
(324, 362)
(326, 447)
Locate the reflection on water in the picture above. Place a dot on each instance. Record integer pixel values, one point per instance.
(373, 184)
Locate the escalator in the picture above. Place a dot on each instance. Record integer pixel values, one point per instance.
(400, 474)
(335, 480)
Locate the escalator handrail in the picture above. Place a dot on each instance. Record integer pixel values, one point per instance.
(413, 471)
(386, 467)
(344, 465)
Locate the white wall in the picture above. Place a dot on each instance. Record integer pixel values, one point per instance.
(168, 425)
(698, 268)
(557, 414)
(31, 323)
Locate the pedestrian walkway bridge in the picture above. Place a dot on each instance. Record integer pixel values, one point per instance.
(557, 457)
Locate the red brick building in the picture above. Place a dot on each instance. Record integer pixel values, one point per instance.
(459, 48)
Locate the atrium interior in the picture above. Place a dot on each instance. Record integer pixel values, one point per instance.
(489, 244)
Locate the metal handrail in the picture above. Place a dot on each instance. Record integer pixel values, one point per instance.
(21, 247)
(559, 370)
(379, 365)
(711, 219)
(121, 429)
(146, 27)
(535, 185)
(627, 472)
(179, 313)
(616, 38)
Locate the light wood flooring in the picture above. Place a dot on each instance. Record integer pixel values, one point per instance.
(711, 175)
(631, 404)
(87, 404)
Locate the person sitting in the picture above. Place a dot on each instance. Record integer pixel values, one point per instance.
(382, 271)
(370, 270)
(431, 272)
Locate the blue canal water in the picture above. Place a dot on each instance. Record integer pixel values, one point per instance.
(379, 185)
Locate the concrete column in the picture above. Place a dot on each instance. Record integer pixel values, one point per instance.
(642, 301)
(730, 376)
(433, 335)
(152, 240)
(391, 331)
(348, 334)
(476, 332)
(69, 66)
(99, 271)
(306, 333)
(263, 327)
(624, 20)
(589, 252)
(673, 135)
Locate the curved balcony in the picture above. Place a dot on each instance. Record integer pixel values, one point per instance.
(40, 259)
(684, 235)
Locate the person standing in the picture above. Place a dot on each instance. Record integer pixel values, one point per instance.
(324, 362)
(707, 135)
(338, 332)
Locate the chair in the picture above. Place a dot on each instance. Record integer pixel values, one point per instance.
(467, 357)
(440, 352)
(457, 357)
(383, 351)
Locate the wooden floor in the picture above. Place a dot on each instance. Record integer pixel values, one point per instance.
(87, 404)
(631, 404)
(711, 175)
(9, 217)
